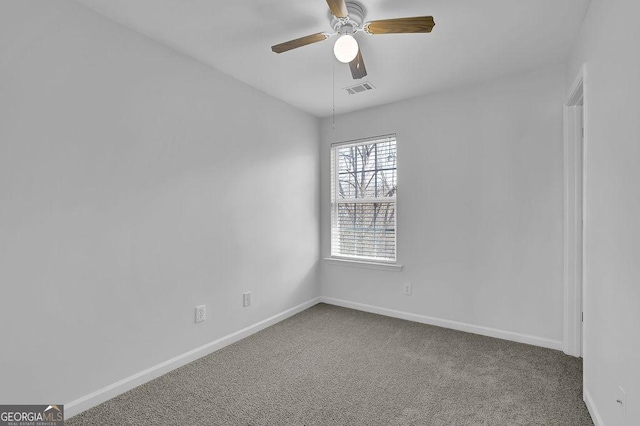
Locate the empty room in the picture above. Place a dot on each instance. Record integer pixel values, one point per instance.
(320, 212)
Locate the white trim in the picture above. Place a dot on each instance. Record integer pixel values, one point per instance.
(591, 406)
(394, 267)
(573, 218)
(585, 150)
(101, 395)
(566, 308)
(455, 325)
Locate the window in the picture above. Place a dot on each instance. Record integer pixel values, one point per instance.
(363, 199)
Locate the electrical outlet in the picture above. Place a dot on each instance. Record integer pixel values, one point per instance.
(201, 313)
(407, 289)
(621, 402)
(246, 299)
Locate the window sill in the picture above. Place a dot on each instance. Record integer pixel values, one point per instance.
(394, 267)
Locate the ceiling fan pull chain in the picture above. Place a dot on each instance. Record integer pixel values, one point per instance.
(333, 92)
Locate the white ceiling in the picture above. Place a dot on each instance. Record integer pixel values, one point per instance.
(472, 41)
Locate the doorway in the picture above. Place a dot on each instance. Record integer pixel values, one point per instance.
(574, 217)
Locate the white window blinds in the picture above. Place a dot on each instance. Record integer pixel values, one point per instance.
(363, 199)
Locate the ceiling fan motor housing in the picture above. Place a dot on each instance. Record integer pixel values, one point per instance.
(352, 23)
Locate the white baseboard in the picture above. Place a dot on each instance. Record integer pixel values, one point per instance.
(101, 395)
(595, 415)
(455, 325)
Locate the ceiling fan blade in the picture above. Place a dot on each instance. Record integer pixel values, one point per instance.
(299, 42)
(358, 70)
(338, 8)
(419, 24)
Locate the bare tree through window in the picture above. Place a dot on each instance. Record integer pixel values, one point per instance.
(364, 199)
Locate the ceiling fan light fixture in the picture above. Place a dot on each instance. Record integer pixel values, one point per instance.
(346, 48)
(346, 18)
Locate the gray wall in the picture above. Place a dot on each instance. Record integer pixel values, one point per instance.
(135, 184)
(480, 206)
(609, 44)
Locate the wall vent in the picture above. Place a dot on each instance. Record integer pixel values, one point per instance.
(359, 88)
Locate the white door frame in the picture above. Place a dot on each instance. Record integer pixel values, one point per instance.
(575, 146)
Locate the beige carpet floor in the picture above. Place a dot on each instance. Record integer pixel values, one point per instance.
(336, 366)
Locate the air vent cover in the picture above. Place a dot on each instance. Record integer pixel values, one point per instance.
(359, 88)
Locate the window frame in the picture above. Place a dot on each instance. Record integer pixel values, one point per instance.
(335, 202)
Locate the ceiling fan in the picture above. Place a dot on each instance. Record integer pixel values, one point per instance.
(346, 20)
